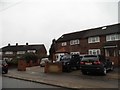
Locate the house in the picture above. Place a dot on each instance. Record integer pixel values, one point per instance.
(102, 40)
(12, 51)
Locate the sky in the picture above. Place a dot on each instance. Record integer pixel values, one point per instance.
(40, 21)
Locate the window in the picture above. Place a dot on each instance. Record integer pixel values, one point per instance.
(94, 51)
(8, 52)
(74, 42)
(20, 52)
(93, 39)
(74, 53)
(64, 43)
(113, 37)
(31, 51)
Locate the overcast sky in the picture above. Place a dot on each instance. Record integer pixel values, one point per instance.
(40, 21)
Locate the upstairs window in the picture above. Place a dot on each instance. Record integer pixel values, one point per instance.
(113, 37)
(93, 39)
(74, 42)
(8, 52)
(20, 52)
(31, 51)
(64, 43)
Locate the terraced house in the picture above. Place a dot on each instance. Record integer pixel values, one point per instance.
(102, 40)
(11, 51)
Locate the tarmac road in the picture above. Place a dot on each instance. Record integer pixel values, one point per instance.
(15, 83)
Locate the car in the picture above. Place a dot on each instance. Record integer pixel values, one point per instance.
(3, 66)
(95, 63)
(43, 61)
(69, 62)
(65, 60)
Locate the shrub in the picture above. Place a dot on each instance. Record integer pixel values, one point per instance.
(30, 56)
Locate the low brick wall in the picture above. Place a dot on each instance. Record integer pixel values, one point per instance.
(53, 68)
(21, 65)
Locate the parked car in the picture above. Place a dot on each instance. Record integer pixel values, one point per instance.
(44, 61)
(95, 63)
(69, 62)
(3, 67)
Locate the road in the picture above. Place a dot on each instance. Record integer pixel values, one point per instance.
(15, 83)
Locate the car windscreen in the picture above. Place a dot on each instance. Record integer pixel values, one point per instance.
(89, 59)
(63, 58)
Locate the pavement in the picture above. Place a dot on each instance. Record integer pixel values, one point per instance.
(73, 79)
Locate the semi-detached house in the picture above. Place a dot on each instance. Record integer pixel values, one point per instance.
(12, 51)
(103, 40)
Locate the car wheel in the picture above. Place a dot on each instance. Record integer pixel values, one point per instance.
(104, 71)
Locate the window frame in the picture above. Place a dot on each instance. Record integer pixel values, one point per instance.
(95, 39)
(74, 42)
(113, 37)
(94, 51)
(20, 52)
(64, 44)
(9, 52)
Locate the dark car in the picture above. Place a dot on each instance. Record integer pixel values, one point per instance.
(95, 63)
(3, 66)
(69, 62)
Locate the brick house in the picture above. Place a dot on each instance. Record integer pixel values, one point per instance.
(11, 51)
(103, 40)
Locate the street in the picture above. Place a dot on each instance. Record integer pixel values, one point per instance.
(15, 83)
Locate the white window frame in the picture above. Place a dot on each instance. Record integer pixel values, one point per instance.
(75, 53)
(94, 51)
(64, 43)
(20, 52)
(94, 39)
(8, 52)
(75, 42)
(31, 51)
(113, 37)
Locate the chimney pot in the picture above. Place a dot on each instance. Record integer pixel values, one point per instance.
(8, 44)
(26, 43)
(16, 44)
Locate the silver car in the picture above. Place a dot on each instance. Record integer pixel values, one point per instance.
(43, 61)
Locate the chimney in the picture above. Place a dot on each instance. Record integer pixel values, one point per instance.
(16, 44)
(8, 44)
(26, 43)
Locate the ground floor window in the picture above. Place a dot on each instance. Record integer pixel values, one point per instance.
(94, 51)
(74, 52)
(111, 52)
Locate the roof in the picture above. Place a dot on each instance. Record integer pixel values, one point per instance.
(22, 47)
(104, 30)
